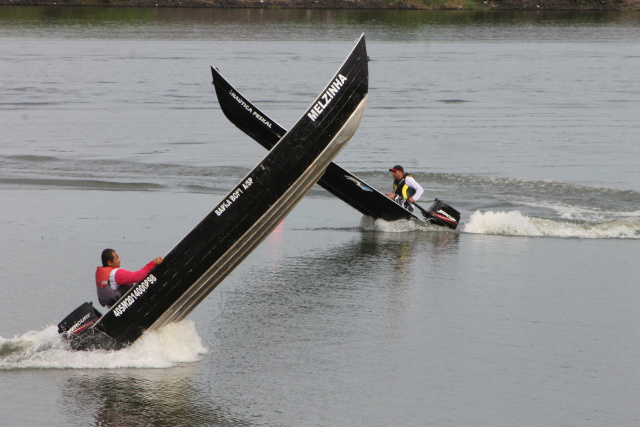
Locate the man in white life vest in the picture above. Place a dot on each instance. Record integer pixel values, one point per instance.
(113, 282)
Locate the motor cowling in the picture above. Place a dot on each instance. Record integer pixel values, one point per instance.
(79, 319)
(444, 215)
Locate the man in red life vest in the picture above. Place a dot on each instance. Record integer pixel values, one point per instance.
(113, 282)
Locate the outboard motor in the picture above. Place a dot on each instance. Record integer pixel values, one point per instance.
(79, 320)
(77, 330)
(442, 214)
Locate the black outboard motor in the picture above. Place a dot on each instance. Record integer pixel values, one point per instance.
(442, 214)
(79, 320)
(76, 329)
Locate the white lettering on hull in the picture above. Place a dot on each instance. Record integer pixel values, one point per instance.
(249, 109)
(138, 291)
(233, 196)
(326, 97)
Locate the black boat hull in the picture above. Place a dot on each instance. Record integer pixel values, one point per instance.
(338, 181)
(243, 219)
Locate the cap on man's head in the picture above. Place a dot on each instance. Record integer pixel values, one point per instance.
(397, 168)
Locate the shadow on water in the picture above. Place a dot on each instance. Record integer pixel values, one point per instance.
(157, 397)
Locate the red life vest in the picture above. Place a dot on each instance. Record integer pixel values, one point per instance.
(102, 276)
(108, 293)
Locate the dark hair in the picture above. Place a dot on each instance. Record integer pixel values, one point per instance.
(107, 255)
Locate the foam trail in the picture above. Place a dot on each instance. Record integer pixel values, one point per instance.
(514, 223)
(175, 343)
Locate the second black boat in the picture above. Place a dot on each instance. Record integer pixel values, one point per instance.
(338, 181)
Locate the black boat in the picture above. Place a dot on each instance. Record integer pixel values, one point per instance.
(338, 181)
(236, 225)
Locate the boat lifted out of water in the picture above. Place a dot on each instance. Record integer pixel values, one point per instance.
(338, 181)
(243, 219)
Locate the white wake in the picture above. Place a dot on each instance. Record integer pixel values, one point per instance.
(173, 344)
(514, 223)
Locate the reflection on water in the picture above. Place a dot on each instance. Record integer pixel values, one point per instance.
(324, 318)
(318, 285)
(157, 397)
(368, 258)
(401, 249)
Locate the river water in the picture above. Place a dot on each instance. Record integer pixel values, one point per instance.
(527, 123)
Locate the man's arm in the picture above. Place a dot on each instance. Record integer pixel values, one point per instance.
(414, 184)
(125, 277)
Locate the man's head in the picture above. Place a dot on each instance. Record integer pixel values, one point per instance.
(397, 171)
(110, 258)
